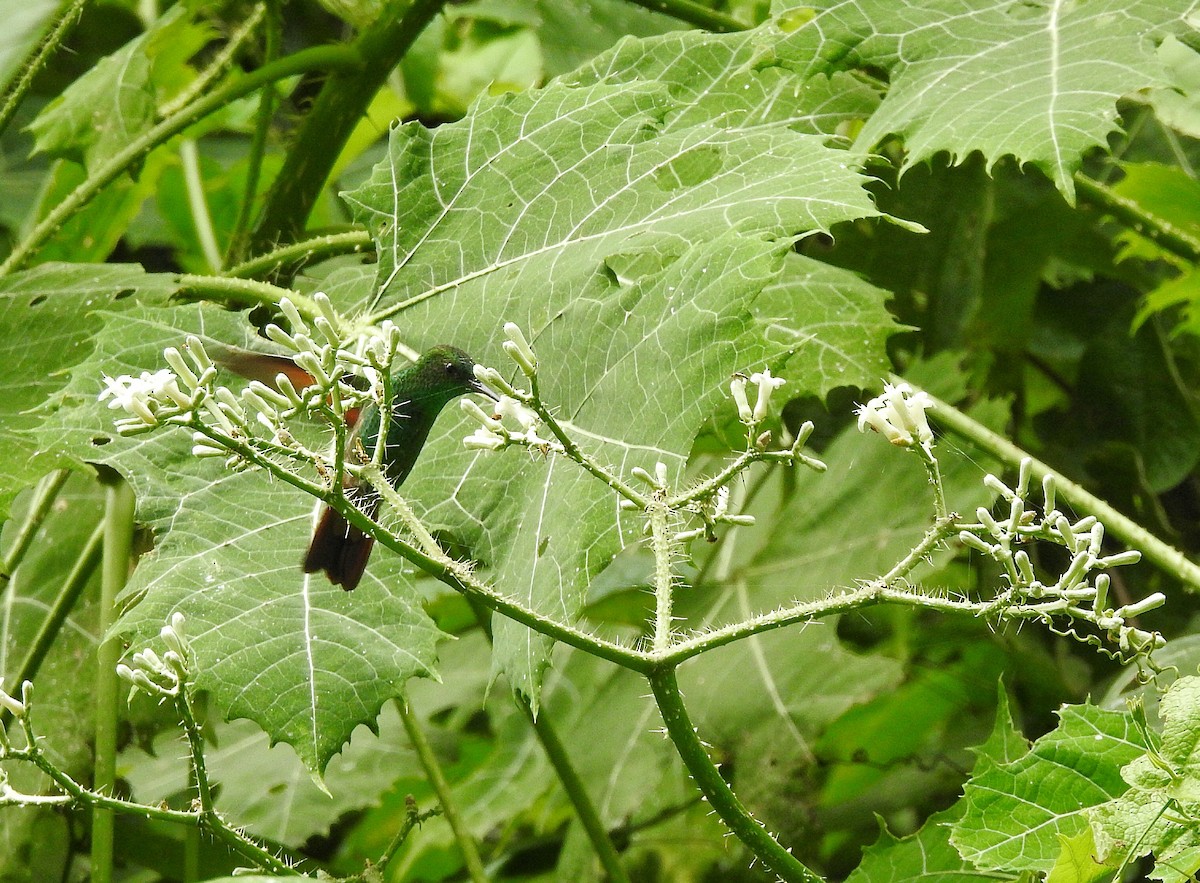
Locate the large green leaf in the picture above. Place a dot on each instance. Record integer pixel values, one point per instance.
(1165, 786)
(117, 100)
(632, 253)
(1015, 812)
(48, 318)
(303, 659)
(1039, 82)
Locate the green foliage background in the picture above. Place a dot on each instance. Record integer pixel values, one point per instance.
(996, 199)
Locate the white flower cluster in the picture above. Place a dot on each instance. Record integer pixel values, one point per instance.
(186, 392)
(1081, 591)
(523, 424)
(161, 676)
(899, 415)
(156, 397)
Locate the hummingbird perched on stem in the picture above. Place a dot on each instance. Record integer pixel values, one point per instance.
(419, 392)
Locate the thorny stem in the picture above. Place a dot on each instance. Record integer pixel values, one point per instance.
(433, 769)
(572, 450)
(75, 794)
(1126, 529)
(316, 248)
(660, 539)
(714, 787)
(319, 57)
(929, 461)
(17, 88)
(246, 292)
(195, 740)
(873, 593)
(1137, 218)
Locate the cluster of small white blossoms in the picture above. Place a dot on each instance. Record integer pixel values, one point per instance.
(493, 433)
(161, 676)
(186, 393)
(899, 415)
(1081, 591)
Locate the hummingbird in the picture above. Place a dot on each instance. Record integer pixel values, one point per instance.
(419, 392)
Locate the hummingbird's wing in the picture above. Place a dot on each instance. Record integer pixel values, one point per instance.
(265, 367)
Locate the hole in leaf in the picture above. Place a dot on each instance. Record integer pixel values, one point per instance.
(37, 299)
(100, 440)
(123, 293)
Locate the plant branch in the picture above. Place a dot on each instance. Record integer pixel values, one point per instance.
(694, 13)
(193, 177)
(809, 611)
(1134, 216)
(429, 762)
(1130, 532)
(317, 58)
(316, 248)
(664, 588)
(272, 36)
(339, 106)
(245, 292)
(714, 787)
(572, 450)
(67, 18)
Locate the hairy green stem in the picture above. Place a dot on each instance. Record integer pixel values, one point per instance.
(930, 462)
(118, 546)
(245, 292)
(44, 496)
(809, 611)
(429, 762)
(272, 37)
(1159, 230)
(695, 14)
(706, 775)
(664, 588)
(572, 450)
(217, 66)
(66, 18)
(318, 58)
(298, 253)
(1124, 528)
(339, 106)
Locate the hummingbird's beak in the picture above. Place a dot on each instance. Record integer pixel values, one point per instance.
(478, 387)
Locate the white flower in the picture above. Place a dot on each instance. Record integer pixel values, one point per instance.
(510, 407)
(737, 388)
(483, 439)
(766, 385)
(136, 395)
(899, 414)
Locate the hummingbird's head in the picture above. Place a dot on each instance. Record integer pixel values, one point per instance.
(445, 372)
